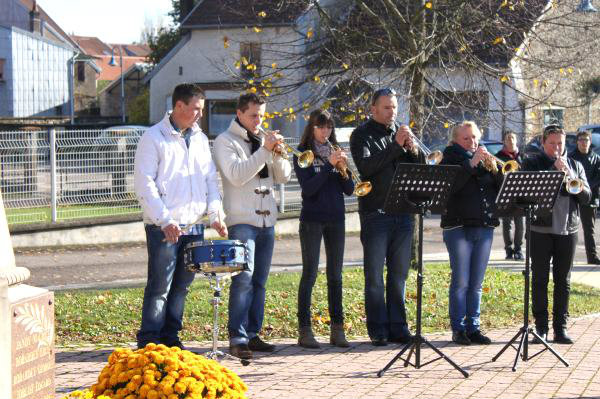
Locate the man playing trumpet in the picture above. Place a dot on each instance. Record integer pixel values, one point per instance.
(554, 237)
(377, 147)
(250, 168)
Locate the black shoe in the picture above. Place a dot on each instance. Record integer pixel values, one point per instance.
(509, 254)
(518, 255)
(176, 343)
(240, 351)
(460, 338)
(593, 260)
(476, 337)
(543, 333)
(403, 339)
(379, 342)
(561, 337)
(258, 345)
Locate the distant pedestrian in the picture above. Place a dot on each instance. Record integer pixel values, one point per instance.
(591, 164)
(176, 184)
(512, 244)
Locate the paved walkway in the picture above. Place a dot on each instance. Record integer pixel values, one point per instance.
(294, 372)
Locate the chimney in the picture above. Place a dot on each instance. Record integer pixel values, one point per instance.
(186, 8)
(35, 23)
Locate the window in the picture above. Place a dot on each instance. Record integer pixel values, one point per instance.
(80, 71)
(2, 68)
(251, 52)
(220, 114)
(553, 116)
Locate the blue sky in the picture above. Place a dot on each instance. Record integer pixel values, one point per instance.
(113, 21)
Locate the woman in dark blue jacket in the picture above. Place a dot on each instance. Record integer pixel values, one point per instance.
(323, 184)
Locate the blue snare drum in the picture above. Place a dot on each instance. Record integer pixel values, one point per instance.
(219, 256)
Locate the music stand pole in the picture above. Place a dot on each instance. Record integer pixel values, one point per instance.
(419, 339)
(529, 193)
(525, 330)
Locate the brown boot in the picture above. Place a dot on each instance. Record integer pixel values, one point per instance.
(337, 337)
(306, 339)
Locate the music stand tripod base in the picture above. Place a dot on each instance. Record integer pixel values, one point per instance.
(214, 280)
(528, 193)
(416, 189)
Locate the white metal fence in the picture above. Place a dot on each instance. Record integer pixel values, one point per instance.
(50, 176)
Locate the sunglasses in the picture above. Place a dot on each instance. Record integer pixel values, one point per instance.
(383, 92)
(552, 128)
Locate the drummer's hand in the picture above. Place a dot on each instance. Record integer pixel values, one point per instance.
(172, 233)
(220, 227)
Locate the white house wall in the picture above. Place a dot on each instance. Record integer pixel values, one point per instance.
(203, 59)
(40, 77)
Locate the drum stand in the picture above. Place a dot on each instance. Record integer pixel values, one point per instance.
(214, 280)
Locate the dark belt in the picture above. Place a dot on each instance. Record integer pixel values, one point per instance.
(264, 213)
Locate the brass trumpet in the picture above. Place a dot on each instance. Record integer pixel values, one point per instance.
(431, 157)
(573, 185)
(505, 166)
(361, 188)
(283, 149)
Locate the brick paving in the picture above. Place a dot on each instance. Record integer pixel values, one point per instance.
(294, 372)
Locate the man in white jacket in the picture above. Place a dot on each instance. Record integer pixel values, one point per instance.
(176, 184)
(249, 169)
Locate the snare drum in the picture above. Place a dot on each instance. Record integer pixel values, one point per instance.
(219, 256)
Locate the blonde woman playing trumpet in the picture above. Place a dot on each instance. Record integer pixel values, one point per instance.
(322, 217)
(468, 229)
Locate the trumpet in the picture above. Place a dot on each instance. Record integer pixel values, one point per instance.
(283, 149)
(505, 166)
(573, 185)
(431, 157)
(361, 188)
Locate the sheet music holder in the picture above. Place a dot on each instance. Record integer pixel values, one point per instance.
(521, 188)
(417, 188)
(530, 194)
(416, 183)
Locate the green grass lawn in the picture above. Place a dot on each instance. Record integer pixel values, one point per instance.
(43, 214)
(113, 316)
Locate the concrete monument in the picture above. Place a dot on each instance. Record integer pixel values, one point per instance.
(26, 328)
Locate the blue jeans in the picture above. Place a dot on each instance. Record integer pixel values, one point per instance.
(247, 292)
(386, 239)
(311, 233)
(469, 250)
(167, 286)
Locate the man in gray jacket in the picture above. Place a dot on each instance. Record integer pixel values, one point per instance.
(249, 168)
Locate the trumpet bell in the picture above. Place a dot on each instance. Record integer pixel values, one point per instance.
(574, 186)
(306, 159)
(434, 158)
(510, 166)
(363, 188)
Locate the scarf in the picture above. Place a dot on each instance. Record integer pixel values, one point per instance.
(255, 144)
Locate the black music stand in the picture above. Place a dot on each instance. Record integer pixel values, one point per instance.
(416, 189)
(531, 194)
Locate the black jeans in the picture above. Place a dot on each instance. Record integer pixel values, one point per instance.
(561, 250)
(333, 233)
(506, 232)
(588, 221)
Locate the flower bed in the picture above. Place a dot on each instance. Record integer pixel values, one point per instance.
(159, 372)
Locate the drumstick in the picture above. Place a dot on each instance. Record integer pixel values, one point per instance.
(186, 228)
